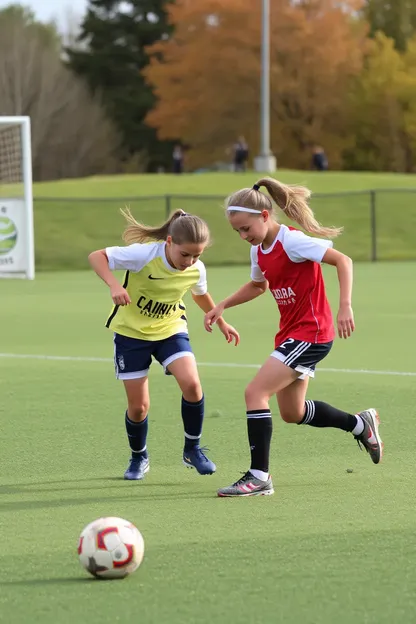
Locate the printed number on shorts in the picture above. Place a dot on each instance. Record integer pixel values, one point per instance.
(286, 343)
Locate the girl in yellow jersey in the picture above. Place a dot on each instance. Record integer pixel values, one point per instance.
(149, 320)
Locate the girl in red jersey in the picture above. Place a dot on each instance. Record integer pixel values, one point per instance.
(288, 263)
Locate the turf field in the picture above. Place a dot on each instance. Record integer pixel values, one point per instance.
(329, 546)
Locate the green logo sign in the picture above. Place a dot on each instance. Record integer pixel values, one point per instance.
(8, 235)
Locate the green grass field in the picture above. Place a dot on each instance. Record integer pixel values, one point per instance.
(328, 547)
(73, 217)
(217, 183)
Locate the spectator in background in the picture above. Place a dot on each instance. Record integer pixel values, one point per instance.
(319, 159)
(177, 156)
(240, 154)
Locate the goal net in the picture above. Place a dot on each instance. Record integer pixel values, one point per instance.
(16, 200)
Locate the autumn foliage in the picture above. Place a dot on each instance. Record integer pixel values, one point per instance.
(331, 84)
(206, 77)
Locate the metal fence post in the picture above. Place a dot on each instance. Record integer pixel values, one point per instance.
(373, 220)
(167, 205)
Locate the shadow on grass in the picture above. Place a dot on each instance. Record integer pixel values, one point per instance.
(71, 502)
(20, 488)
(54, 581)
(35, 487)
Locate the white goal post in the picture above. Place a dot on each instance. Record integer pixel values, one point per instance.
(17, 247)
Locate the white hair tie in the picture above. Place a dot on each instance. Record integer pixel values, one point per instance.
(241, 209)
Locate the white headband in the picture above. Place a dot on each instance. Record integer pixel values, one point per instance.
(241, 209)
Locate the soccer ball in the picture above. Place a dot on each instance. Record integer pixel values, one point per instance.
(110, 548)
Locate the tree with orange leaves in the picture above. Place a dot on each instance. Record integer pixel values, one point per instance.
(207, 76)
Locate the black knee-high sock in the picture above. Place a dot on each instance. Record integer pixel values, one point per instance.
(260, 428)
(319, 414)
(137, 435)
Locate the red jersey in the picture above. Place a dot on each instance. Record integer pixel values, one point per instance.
(292, 268)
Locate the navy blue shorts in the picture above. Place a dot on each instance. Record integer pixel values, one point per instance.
(133, 357)
(302, 356)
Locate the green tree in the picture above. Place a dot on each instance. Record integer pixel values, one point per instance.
(407, 98)
(383, 109)
(111, 55)
(396, 19)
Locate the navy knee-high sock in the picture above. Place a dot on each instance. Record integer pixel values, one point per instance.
(137, 435)
(193, 418)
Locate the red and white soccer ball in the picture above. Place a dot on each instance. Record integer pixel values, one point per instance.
(110, 548)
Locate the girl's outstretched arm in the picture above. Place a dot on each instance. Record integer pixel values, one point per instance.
(245, 293)
(206, 303)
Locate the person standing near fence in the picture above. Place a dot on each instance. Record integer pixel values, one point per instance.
(288, 262)
(178, 158)
(319, 159)
(149, 321)
(240, 155)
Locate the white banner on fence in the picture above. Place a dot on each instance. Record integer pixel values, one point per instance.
(13, 236)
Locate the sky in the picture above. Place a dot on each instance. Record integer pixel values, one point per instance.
(49, 9)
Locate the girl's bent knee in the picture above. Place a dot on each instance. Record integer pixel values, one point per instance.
(293, 417)
(138, 412)
(251, 394)
(192, 392)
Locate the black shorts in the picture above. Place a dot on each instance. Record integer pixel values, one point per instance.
(302, 356)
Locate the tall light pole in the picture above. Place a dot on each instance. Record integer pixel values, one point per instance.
(265, 161)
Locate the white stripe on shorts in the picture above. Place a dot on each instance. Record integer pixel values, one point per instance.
(303, 370)
(134, 375)
(176, 356)
(115, 360)
(301, 348)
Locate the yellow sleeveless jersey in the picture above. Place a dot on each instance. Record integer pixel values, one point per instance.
(156, 289)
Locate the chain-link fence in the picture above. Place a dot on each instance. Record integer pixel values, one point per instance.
(378, 225)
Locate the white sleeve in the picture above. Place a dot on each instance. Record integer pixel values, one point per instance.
(300, 247)
(201, 287)
(131, 258)
(256, 272)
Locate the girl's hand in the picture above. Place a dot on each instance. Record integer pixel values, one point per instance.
(119, 295)
(345, 321)
(229, 332)
(212, 317)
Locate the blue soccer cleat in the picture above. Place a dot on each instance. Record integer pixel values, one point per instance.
(195, 458)
(138, 467)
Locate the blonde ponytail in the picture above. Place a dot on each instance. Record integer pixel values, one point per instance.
(187, 229)
(293, 201)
